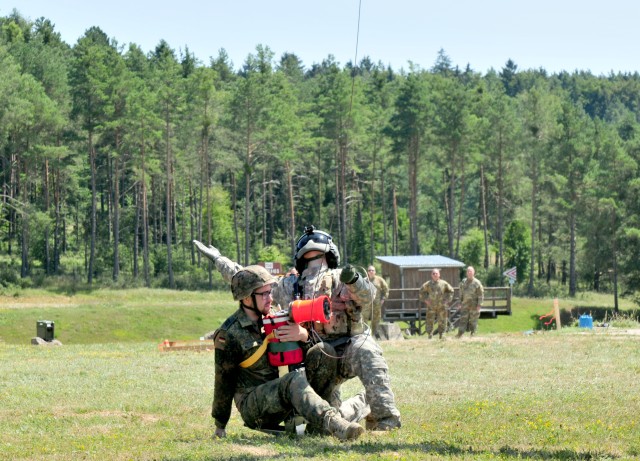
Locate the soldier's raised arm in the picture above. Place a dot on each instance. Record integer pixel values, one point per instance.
(224, 265)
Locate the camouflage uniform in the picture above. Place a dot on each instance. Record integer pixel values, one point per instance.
(262, 398)
(359, 355)
(440, 294)
(471, 296)
(373, 314)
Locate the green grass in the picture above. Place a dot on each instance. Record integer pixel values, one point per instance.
(136, 315)
(104, 316)
(552, 395)
(570, 394)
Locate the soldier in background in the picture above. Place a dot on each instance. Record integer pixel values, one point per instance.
(471, 297)
(382, 291)
(242, 370)
(437, 295)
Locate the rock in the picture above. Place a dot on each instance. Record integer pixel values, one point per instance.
(37, 341)
(389, 332)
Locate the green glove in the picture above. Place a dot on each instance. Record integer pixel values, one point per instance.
(349, 274)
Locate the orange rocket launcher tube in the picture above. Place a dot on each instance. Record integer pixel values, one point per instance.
(308, 310)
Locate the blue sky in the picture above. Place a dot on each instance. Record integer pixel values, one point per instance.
(553, 34)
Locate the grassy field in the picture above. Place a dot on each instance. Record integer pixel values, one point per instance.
(570, 394)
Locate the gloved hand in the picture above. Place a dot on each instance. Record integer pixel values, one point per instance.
(210, 252)
(349, 274)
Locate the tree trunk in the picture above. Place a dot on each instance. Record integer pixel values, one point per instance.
(615, 262)
(169, 201)
(116, 220)
(452, 204)
(459, 226)
(47, 205)
(343, 198)
(414, 147)
(573, 280)
(24, 269)
(136, 235)
(483, 195)
(372, 191)
(291, 208)
(385, 223)
(395, 222)
(534, 207)
(58, 229)
(234, 201)
(247, 210)
(192, 220)
(500, 211)
(94, 205)
(264, 208)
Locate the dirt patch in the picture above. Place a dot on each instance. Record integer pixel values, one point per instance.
(617, 331)
(254, 451)
(145, 417)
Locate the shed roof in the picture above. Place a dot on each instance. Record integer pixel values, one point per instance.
(421, 261)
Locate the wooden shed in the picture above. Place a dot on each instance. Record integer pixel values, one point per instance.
(404, 272)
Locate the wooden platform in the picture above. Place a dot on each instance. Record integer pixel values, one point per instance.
(190, 345)
(403, 305)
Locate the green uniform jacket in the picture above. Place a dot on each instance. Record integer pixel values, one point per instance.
(235, 341)
(471, 293)
(440, 293)
(382, 289)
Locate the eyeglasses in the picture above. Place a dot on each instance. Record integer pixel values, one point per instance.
(371, 270)
(264, 294)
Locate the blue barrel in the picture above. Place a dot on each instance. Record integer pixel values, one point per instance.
(585, 321)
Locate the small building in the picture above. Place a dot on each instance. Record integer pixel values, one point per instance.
(404, 272)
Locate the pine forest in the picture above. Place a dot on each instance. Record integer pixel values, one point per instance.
(113, 160)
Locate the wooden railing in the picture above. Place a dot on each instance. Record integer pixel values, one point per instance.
(403, 305)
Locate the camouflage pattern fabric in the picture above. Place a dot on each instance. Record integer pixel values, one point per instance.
(471, 296)
(346, 326)
(439, 294)
(374, 312)
(262, 398)
(358, 354)
(227, 268)
(272, 402)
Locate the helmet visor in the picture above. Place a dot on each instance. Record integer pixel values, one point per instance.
(316, 237)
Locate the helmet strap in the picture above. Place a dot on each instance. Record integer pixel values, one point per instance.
(254, 307)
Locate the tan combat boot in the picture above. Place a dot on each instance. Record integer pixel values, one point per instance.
(336, 425)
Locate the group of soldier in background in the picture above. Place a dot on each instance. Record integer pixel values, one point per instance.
(437, 294)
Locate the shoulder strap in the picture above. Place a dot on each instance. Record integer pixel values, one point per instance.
(259, 352)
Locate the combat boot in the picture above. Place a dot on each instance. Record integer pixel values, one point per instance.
(384, 424)
(339, 427)
(355, 408)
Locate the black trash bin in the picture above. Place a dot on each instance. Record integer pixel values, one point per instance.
(46, 329)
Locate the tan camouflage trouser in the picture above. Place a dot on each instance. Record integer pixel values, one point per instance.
(468, 320)
(361, 356)
(372, 315)
(439, 314)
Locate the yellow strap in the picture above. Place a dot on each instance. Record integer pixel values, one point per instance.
(258, 353)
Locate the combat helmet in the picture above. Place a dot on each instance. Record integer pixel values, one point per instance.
(245, 281)
(316, 240)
